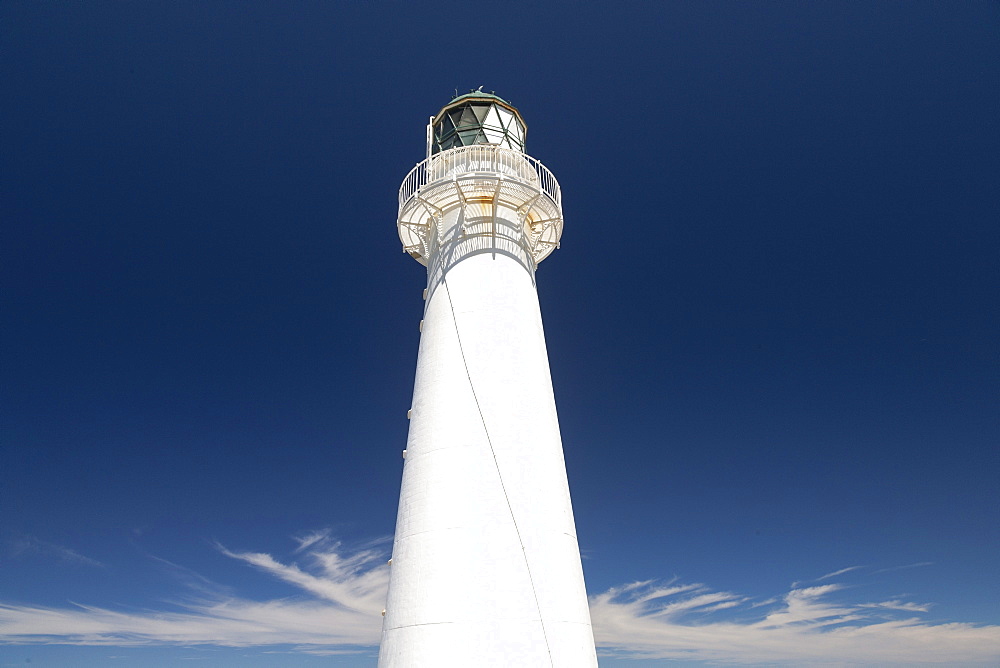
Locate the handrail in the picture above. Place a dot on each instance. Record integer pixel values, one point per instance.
(480, 158)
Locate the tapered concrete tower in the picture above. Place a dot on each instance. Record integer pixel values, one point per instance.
(485, 568)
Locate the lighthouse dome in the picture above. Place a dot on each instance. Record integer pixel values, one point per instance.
(478, 118)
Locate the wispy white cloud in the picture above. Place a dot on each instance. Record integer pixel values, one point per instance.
(834, 574)
(23, 546)
(192, 580)
(919, 564)
(342, 593)
(804, 628)
(341, 614)
(312, 538)
(896, 604)
(354, 582)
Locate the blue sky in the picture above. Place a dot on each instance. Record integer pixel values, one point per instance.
(772, 323)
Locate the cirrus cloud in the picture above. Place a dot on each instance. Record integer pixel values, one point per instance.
(805, 627)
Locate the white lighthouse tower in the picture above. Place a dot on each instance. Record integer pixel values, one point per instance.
(485, 568)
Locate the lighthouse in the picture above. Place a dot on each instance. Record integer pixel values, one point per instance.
(485, 569)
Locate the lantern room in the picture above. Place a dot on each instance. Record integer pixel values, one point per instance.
(478, 118)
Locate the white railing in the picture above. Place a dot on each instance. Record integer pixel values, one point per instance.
(480, 159)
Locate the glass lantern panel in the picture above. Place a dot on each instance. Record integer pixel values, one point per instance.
(493, 119)
(480, 111)
(469, 117)
(493, 136)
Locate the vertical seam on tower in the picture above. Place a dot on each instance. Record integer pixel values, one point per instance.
(496, 464)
